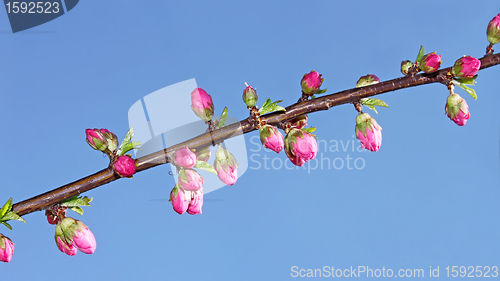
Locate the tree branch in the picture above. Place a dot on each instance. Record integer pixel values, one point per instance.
(326, 102)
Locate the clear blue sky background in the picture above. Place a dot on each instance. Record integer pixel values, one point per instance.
(429, 197)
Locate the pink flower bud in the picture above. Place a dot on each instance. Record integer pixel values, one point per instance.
(68, 249)
(6, 248)
(250, 96)
(300, 146)
(430, 63)
(271, 138)
(493, 30)
(466, 67)
(367, 80)
(196, 203)
(368, 132)
(96, 139)
(190, 180)
(185, 158)
(180, 199)
(201, 104)
(203, 154)
(124, 166)
(299, 122)
(111, 139)
(84, 239)
(226, 166)
(73, 234)
(311, 82)
(457, 109)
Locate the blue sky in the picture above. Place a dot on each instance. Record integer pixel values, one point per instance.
(427, 198)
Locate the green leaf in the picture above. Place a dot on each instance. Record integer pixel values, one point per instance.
(319, 92)
(12, 216)
(310, 129)
(136, 143)
(76, 201)
(222, 119)
(467, 81)
(77, 210)
(468, 90)
(377, 102)
(266, 103)
(6, 224)
(126, 140)
(421, 54)
(205, 166)
(6, 207)
(129, 146)
(271, 107)
(372, 108)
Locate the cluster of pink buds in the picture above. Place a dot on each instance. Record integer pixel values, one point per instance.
(462, 73)
(225, 163)
(367, 129)
(107, 142)
(465, 69)
(428, 63)
(187, 195)
(299, 144)
(6, 248)
(72, 235)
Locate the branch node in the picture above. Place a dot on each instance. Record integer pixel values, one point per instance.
(254, 118)
(358, 106)
(489, 50)
(303, 98)
(211, 127)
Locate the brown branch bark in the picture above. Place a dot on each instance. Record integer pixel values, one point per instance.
(47, 199)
